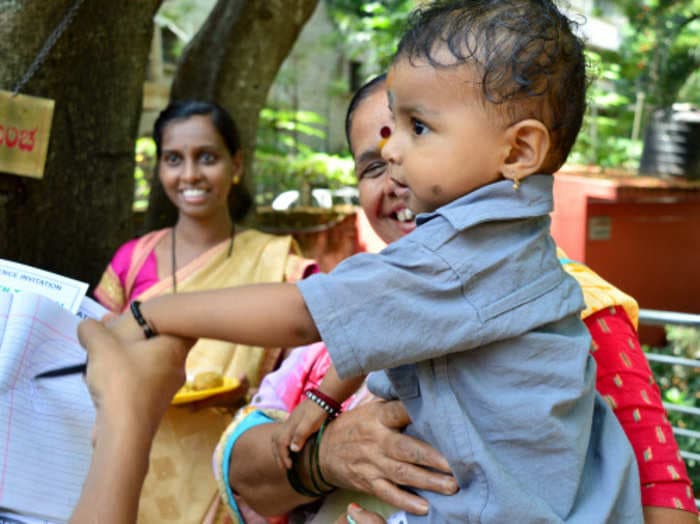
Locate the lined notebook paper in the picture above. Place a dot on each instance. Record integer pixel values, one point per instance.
(45, 425)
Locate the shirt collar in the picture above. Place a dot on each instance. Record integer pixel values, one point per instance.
(497, 201)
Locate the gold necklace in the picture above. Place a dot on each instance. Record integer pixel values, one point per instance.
(173, 261)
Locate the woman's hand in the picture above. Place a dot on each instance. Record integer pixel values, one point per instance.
(132, 380)
(364, 450)
(292, 434)
(131, 385)
(124, 326)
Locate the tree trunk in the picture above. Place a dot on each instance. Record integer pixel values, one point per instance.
(234, 59)
(71, 220)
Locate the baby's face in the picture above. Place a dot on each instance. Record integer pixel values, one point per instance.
(445, 143)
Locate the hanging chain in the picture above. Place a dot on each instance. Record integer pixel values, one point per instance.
(50, 41)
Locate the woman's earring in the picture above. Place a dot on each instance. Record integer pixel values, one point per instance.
(235, 180)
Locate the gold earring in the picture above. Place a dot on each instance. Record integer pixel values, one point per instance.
(516, 183)
(235, 180)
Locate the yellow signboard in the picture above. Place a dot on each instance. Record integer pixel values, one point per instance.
(25, 127)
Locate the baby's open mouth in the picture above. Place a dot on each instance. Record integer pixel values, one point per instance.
(405, 215)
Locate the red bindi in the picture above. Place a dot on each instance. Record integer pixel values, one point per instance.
(385, 132)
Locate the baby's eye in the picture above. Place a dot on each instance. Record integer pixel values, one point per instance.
(419, 128)
(373, 170)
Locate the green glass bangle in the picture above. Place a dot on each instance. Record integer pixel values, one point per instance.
(312, 453)
(295, 481)
(316, 463)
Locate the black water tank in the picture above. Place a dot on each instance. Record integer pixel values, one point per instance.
(672, 143)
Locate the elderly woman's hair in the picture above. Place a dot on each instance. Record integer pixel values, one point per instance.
(367, 89)
(239, 200)
(530, 61)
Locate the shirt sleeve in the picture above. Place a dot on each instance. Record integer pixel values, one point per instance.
(626, 382)
(365, 310)
(419, 300)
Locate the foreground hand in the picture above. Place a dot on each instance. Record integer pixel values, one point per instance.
(364, 450)
(293, 433)
(132, 381)
(124, 327)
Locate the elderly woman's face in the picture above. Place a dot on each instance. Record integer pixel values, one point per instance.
(378, 196)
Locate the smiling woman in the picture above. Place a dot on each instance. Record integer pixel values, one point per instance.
(199, 164)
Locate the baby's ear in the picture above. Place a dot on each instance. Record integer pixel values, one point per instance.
(529, 144)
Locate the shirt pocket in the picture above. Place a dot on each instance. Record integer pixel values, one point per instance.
(532, 291)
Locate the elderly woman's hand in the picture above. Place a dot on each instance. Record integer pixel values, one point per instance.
(364, 450)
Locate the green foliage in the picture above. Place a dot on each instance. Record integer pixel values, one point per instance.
(680, 385)
(369, 30)
(184, 17)
(280, 131)
(277, 173)
(283, 162)
(659, 59)
(143, 172)
(604, 139)
(690, 92)
(661, 46)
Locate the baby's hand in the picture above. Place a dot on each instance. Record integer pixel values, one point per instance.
(125, 327)
(292, 434)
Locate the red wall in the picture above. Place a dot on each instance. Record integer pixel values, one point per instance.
(640, 233)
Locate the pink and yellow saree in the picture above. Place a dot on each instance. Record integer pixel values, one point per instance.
(180, 487)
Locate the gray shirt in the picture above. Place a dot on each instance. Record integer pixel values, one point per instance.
(477, 327)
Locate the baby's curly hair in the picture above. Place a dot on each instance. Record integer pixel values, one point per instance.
(530, 61)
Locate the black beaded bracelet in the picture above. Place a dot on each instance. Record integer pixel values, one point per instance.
(136, 311)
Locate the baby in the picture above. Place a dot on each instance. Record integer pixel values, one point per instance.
(470, 320)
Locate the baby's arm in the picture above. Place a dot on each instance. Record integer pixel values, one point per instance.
(309, 415)
(267, 315)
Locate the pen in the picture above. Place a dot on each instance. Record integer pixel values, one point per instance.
(60, 372)
(148, 331)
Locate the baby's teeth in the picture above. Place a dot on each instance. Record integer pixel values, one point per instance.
(405, 215)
